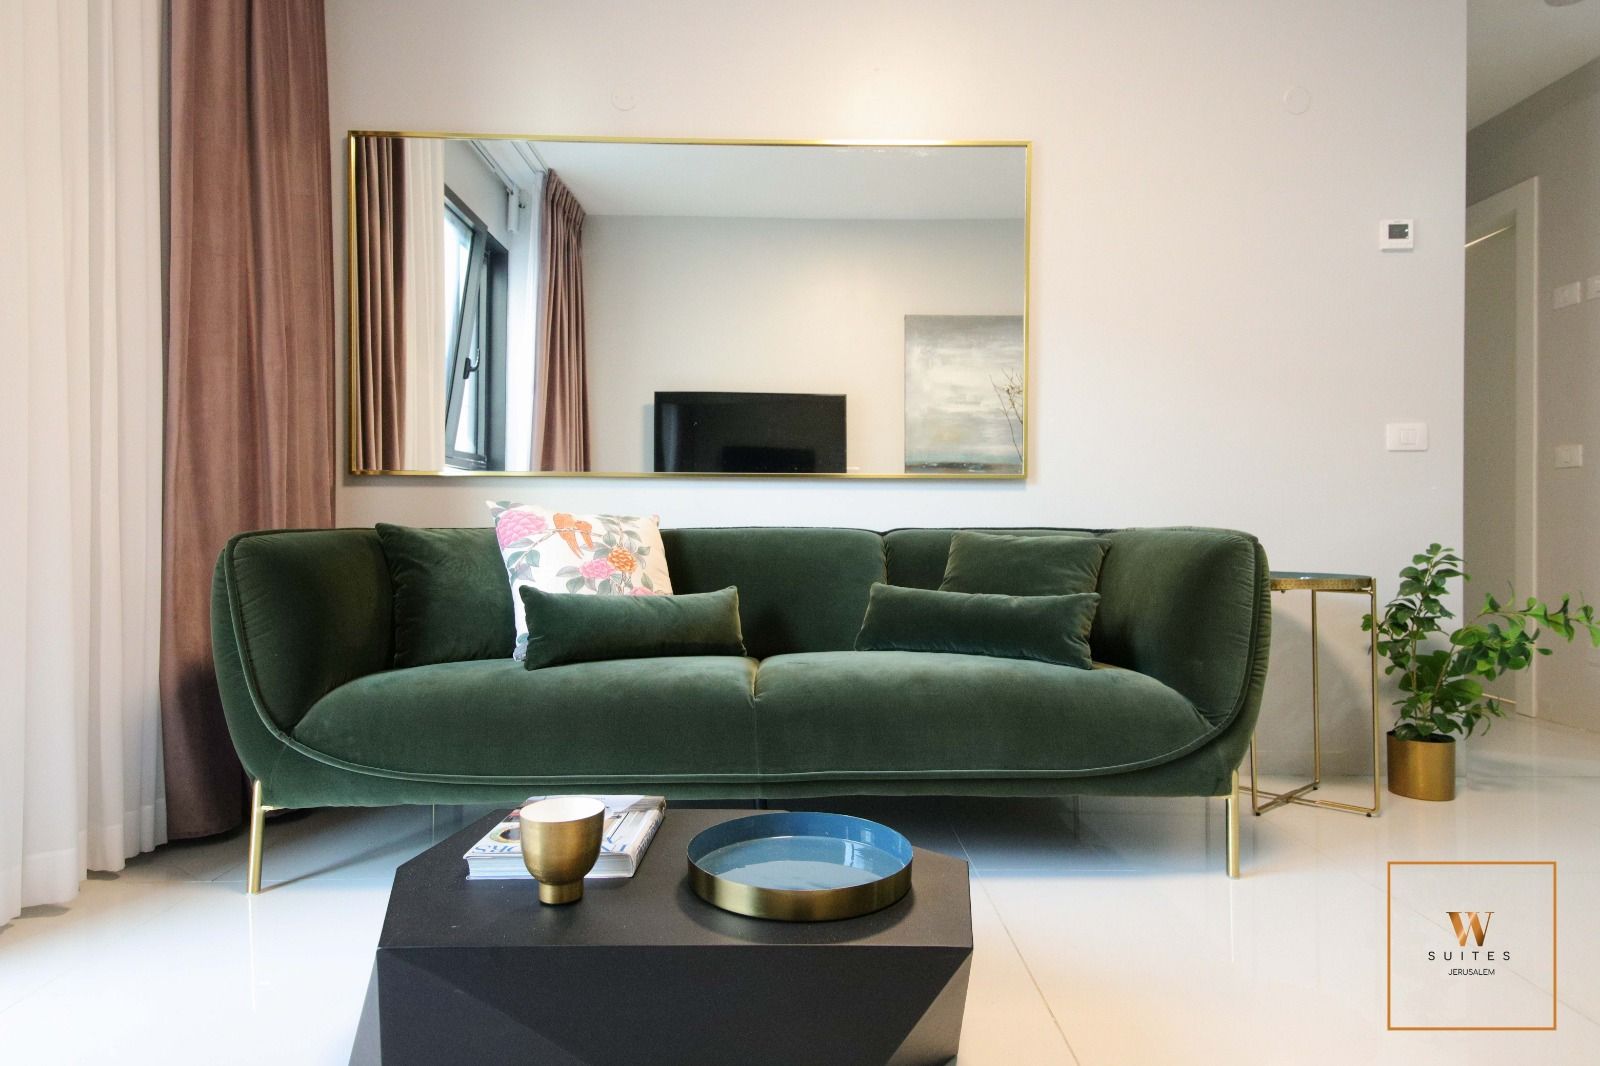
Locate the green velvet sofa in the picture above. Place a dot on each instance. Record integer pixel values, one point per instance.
(304, 631)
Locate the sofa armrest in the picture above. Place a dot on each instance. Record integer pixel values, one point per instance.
(296, 614)
(1190, 608)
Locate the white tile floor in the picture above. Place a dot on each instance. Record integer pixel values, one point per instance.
(1104, 935)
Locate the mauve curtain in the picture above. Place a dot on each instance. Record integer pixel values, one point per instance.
(380, 287)
(250, 354)
(561, 418)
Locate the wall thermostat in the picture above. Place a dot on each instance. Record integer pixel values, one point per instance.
(1396, 235)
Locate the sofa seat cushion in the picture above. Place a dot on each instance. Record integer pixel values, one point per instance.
(629, 720)
(887, 714)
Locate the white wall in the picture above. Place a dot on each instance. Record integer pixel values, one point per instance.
(1555, 135)
(1216, 337)
(777, 305)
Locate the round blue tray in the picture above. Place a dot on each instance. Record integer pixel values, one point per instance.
(799, 866)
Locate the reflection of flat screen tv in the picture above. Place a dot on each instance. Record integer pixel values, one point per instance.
(750, 432)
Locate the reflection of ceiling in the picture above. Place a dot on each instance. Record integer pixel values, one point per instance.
(513, 162)
(747, 181)
(1517, 47)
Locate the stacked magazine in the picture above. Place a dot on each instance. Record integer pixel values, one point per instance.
(631, 823)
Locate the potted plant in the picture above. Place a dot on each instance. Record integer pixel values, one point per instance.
(1441, 685)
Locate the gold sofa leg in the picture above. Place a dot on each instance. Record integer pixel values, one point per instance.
(258, 818)
(1232, 804)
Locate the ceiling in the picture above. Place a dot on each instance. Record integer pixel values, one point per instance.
(765, 181)
(1517, 47)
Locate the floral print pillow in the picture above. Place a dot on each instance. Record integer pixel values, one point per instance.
(601, 554)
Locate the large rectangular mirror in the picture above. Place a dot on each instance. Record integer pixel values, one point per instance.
(627, 307)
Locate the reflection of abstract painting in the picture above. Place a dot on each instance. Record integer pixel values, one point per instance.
(964, 394)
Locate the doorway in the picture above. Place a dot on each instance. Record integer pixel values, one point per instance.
(1500, 482)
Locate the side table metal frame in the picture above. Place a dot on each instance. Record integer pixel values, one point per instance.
(1316, 584)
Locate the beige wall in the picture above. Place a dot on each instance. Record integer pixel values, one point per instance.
(776, 305)
(1555, 135)
(1216, 337)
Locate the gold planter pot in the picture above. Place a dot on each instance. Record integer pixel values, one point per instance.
(1422, 769)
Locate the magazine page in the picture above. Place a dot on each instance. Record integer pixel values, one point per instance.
(631, 822)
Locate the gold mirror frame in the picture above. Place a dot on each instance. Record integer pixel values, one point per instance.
(352, 414)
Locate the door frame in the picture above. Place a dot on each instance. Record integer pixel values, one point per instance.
(1518, 207)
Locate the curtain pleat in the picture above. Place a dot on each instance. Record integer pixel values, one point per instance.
(561, 420)
(381, 279)
(250, 356)
(80, 333)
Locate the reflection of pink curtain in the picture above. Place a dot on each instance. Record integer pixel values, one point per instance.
(250, 355)
(561, 419)
(380, 277)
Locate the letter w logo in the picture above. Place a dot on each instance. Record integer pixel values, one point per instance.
(1467, 922)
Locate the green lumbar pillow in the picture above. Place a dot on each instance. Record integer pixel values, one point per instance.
(576, 628)
(1011, 565)
(1049, 629)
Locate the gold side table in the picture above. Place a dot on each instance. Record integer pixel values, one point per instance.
(1316, 584)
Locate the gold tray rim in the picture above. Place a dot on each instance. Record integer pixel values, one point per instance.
(803, 905)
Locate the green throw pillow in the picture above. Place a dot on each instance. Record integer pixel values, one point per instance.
(577, 628)
(450, 602)
(1049, 629)
(1010, 565)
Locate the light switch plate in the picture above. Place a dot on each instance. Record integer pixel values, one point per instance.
(1568, 456)
(1406, 436)
(1567, 295)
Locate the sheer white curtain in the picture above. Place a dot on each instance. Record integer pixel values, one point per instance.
(423, 302)
(80, 522)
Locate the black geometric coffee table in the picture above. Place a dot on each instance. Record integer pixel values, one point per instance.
(644, 971)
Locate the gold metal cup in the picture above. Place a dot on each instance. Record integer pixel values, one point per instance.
(560, 843)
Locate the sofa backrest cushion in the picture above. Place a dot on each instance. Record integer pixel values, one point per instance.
(916, 557)
(1000, 564)
(452, 601)
(800, 589)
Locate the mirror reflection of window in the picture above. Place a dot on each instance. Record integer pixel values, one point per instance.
(475, 270)
(457, 250)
